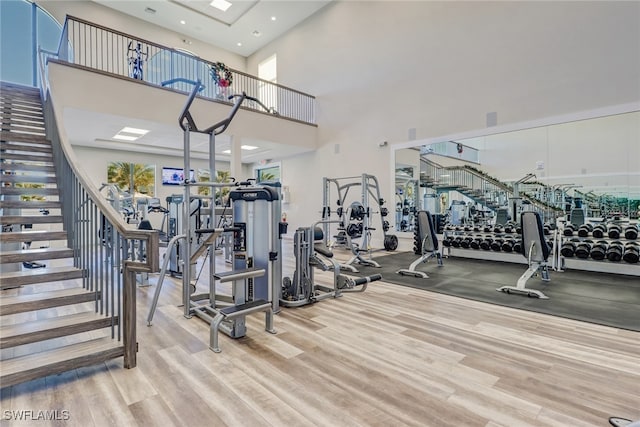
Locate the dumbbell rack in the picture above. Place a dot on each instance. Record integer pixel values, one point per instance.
(492, 254)
(590, 264)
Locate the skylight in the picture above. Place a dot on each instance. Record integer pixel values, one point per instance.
(222, 5)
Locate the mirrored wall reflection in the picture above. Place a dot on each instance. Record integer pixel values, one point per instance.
(592, 164)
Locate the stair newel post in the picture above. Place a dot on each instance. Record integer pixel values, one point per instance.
(129, 316)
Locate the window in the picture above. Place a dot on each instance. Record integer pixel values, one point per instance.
(24, 27)
(267, 70)
(268, 172)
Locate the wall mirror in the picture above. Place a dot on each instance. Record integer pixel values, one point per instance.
(591, 161)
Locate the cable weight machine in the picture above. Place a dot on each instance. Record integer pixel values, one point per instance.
(256, 231)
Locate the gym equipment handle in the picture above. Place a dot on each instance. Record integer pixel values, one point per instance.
(368, 279)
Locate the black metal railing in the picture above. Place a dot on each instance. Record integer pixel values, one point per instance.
(482, 188)
(96, 47)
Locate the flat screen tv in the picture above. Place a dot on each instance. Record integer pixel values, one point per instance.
(175, 176)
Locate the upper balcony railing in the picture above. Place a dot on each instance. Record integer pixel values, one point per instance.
(94, 46)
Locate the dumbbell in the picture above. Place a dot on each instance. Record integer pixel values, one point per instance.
(598, 231)
(486, 243)
(447, 241)
(475, 243)
(517, 246)
(498, 228)
(568, 248)
(496, 245)
(466, 242)
(456, 242)
(487, 229)
(614, 252)
(583, 249)
(599, 250)
(476, 229)
(509, 227)
(614, 231)
(467, 228)
(631, 253)
(631, 232)
(507, 245)
(584, 230)
(569, 229)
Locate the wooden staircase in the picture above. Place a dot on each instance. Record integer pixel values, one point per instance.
(48, 320)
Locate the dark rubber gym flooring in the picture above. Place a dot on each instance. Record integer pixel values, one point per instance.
(606, 299)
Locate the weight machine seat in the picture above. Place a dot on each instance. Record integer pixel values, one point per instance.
(502, 216)
(145, 224)
(577, 217)
(533, 232)
(427, 231)
(322, 250)
(536, 250)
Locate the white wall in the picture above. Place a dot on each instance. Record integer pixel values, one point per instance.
(379, 69)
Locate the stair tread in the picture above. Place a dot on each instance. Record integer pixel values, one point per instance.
(32, 236)
(23, 137)
(63, 358)
(28, 157)
(28, 179)
(29, 219)
(15, 146)
(42, 300)
(37, 272)
(31, 204)
(26, 167)
(14, 279)
(12, 331)
(38, 254)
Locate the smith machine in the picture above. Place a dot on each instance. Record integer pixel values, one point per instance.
(355, 220)
(257, 245)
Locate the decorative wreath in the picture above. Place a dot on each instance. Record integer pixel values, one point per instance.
(221, 75)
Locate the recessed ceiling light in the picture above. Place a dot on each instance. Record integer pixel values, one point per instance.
(244, 147)
(223, 5)
(239, 44)
(256, 33)
(273, 18)
(135, 131)
(182, 21)
(130, 134)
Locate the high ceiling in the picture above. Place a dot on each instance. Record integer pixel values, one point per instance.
(245, 27)
(208, 24)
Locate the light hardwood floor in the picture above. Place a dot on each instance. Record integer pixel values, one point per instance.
(390, 356)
